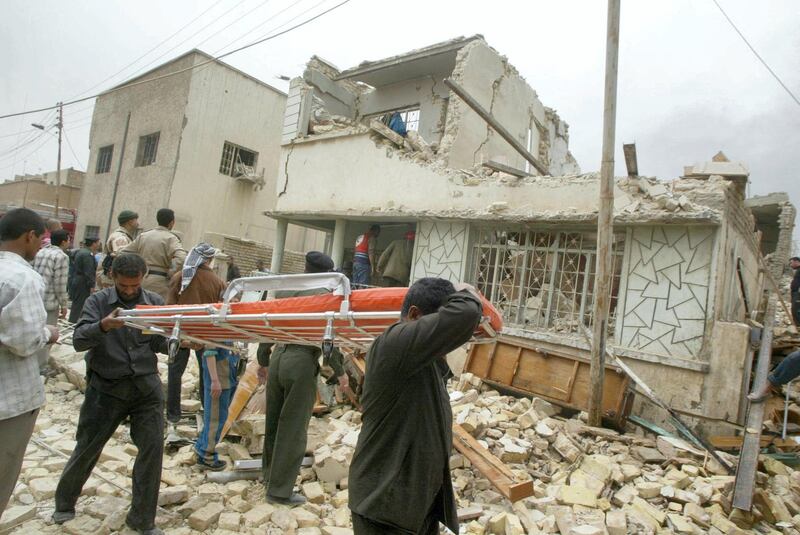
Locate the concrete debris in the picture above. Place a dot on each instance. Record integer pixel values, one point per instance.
(586, 480)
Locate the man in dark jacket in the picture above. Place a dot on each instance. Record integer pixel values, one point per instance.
(399, 478)
(122, 382)
(794, 263)
(291, 392)
(83, 278)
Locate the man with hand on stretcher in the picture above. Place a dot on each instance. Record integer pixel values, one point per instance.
(291, 393)
(399, 479)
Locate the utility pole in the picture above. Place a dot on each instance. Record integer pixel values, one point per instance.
(58, 163)
(605, 220)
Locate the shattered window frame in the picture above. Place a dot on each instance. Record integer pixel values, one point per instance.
(148, 149)
(518, 270)
(232, 164)
(104, 157)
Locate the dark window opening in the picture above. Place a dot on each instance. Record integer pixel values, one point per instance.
(104, 156)
(148, 148)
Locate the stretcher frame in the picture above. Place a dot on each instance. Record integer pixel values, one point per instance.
(218, 326)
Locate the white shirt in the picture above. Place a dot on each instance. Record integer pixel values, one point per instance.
(23, 333)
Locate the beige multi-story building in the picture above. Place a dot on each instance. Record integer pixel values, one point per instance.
(41, 193)
(200, 137)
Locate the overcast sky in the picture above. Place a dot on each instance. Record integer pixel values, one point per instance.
(688, 85)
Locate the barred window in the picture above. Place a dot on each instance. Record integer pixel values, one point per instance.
(542, 280)
(237, 161)
(104, 156)
(148, 148)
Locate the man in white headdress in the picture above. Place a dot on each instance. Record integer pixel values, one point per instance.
(195, 284)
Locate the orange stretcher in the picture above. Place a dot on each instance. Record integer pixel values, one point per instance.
(343, 318)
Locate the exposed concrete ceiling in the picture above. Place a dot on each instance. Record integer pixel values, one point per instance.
(436, 59)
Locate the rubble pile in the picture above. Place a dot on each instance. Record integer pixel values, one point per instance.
(586, 480)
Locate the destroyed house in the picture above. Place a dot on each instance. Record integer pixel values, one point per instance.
(684, 251)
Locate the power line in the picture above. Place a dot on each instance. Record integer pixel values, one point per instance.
(259, 25)
(234, 21)
(757, 55)
(77, 160)
(285, 23)
(180, 71)
(213, 4)
(154, 60)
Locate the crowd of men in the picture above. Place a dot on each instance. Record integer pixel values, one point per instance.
(399, 478)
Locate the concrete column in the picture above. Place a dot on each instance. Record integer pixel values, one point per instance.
(337, 251)
(280, 244)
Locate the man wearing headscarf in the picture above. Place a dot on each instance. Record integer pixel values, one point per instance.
(195, 284)
(291, 392)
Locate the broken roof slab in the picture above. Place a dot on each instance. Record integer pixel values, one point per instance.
(354, 176)
(438, 58)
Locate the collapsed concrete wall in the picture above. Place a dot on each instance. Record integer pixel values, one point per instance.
(327, 100)
(491, 80)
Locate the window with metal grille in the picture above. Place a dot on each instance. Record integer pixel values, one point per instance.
(542, 280)
(91, 231)
(237, 161)
(104, 159)
(148, 148)
(411, 118)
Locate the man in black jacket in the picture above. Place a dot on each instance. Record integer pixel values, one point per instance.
(83, 277)
(400, 477)
(794, 263)
(123, 382)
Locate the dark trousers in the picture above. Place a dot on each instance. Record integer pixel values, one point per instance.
(100, 416)
(787, 370)
(79, 297)
(361, 274)
(796, 308)
(364, 526)
(16, 432)
(174, 380)
(291, 393)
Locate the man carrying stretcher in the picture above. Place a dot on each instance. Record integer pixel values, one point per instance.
(291, 393)
(399, 478)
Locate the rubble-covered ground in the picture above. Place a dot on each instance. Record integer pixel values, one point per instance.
(586, 480)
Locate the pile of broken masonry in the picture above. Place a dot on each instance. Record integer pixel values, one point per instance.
(586, 480)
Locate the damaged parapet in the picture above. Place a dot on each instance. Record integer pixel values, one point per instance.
(437, 127)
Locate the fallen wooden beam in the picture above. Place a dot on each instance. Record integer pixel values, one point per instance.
(495, 125)
(490, 466)
(748, 457)
(386, 132)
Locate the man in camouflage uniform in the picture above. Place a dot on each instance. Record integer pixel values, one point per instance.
(119, 239)
(162, 250)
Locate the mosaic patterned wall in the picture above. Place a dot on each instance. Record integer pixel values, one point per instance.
(440, 250)
(666, 299)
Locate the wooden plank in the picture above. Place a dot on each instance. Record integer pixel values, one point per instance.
(490, 466)
(535, 372)
(386, 132)
(748, 458)
(735, 442)
(571, 382)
